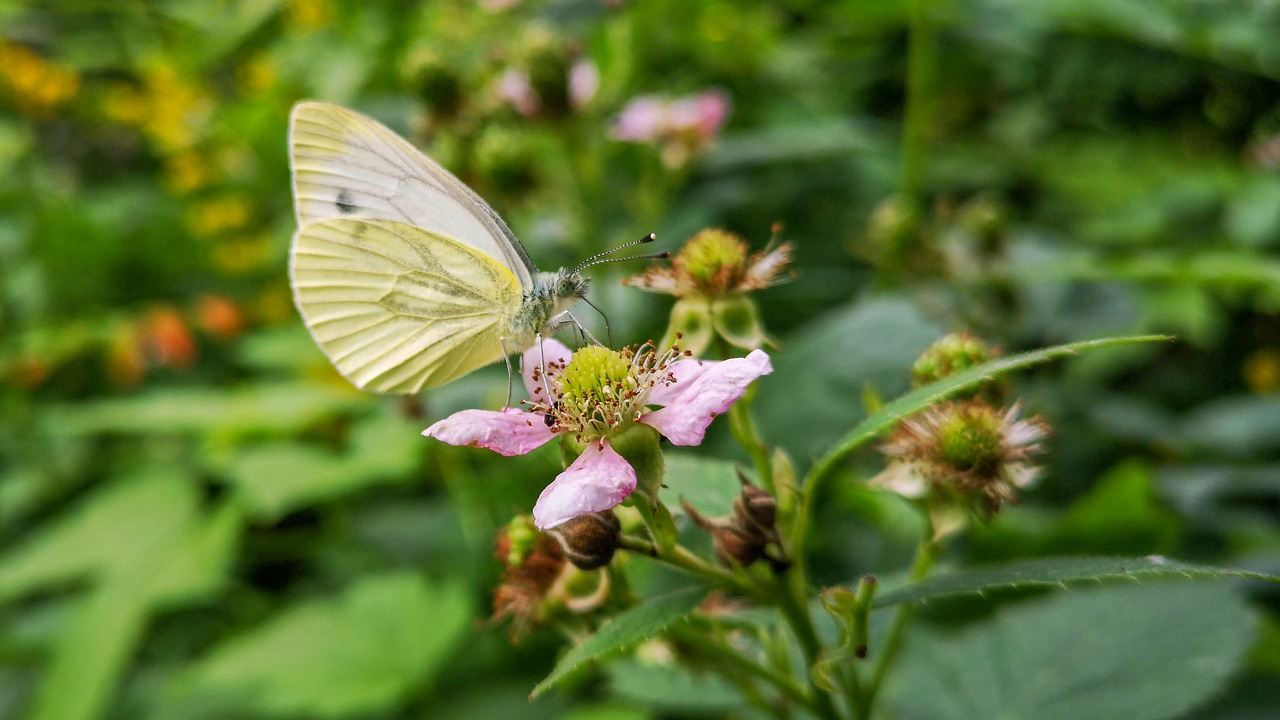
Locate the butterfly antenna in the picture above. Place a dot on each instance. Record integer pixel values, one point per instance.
(599, 257)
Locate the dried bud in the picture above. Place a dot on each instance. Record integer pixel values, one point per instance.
(532, 563)
(731, 543)
(745, 536)
(588, 541)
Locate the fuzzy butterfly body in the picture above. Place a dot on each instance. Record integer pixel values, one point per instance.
(405, 277)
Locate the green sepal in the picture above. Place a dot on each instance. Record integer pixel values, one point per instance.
(691, 319)
(639, 446)
(736, 319)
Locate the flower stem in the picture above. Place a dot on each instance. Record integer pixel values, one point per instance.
(921, 99)
(792, 600)
(722, 652)
(926, 553)
(743, 426)
(679, 557)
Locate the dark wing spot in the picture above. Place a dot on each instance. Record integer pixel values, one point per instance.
(346, 203)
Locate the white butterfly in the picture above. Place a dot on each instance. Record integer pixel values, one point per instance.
(405, 277)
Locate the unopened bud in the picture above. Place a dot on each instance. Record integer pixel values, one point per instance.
(745, 536)
(756, 508)
(589, 541)
(956, 353)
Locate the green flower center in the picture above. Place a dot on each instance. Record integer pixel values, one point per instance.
(595, 374)
(714, 258)
(971, 441)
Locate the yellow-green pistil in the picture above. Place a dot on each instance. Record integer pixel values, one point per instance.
(603, 392)
(971, 441)
(714, 259)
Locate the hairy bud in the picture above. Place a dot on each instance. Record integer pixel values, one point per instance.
(748, 534)
(589, 541)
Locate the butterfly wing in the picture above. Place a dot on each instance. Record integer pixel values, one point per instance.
(348, 165)
(398, 308)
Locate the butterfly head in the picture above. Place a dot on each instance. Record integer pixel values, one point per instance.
(570, 285)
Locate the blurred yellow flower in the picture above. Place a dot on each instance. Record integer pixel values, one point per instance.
(308, 15)
(240, 255)
(124, 104)
(1262, 371)
(275, 305)
(219, 215)
(38, 87)
(257, 76)
(186, 171)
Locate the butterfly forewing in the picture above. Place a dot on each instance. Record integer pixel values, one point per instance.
(348, 165)
(398, 308)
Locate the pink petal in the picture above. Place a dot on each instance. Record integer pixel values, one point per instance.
(685, 418)
(599, 479)
(549, 354)
(642, 120)
(506, 432)
(684, 372)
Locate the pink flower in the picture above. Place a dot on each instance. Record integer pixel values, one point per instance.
(682, 126)
(515, 87)
(584, 81)
(596, 394)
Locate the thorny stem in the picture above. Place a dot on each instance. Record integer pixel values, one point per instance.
(926, 553)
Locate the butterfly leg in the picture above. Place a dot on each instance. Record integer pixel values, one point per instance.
(581, 328)
(506, 357)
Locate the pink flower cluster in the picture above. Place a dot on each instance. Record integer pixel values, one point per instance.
(691, 392)
(682, 127)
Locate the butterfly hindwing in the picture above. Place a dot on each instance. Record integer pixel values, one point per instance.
(398, 308)
(348, 165)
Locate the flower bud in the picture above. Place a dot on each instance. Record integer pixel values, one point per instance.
(505, 160)
(436, 82)
(731, 544)
(589, 541)
(756, 509)
(745, 536)
(532, 563)
(955, 353)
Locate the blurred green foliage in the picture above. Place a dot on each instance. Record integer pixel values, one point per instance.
(200, 519)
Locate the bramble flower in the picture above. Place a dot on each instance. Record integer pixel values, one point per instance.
(599, 402)
(682, 127)
(963, 455)
(710, 277)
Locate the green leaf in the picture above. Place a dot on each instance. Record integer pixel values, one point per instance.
(120, 527)
(1136, 652)
(624, 631)
(276, 478)
(1055, 572)
(358, 653)
(921, 398)
(708, 484)
(673, 688)
(278, 407)
(92, 654)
